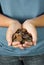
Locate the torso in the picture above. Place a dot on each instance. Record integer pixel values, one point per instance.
(22, 9)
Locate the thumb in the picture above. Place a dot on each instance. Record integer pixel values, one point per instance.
(9, 39)
(34, 39)
(34, 43)
(9, 42)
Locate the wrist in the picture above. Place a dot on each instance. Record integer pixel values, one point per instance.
(14, 22)
(30, 21)
(5, 21)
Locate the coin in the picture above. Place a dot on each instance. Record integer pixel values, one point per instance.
(22, 35)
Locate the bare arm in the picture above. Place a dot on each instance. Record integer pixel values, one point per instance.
(38, 21)
(5, 21)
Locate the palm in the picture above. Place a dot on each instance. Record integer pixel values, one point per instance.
(32, 30)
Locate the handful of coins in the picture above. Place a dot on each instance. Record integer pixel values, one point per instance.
(22, 35)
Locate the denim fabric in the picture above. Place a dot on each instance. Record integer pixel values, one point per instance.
(4, 60)
(24, 60)
(34, 60)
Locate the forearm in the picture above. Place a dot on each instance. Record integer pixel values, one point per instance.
(5, 21)
(38, 21)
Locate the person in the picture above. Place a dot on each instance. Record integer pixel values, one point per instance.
(29, 14)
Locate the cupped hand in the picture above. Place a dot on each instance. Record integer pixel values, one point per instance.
(32, 30)
(10, 31)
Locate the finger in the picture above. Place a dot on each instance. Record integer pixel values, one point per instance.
(9, 38)
(15, 43)
(9, 41)
(25, 46)
(34, 36)
(32, 30)
(34, 43)
(18, 46)
(28, 43)
(21, 47)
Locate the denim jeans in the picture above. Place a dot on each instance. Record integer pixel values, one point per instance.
(23, 60)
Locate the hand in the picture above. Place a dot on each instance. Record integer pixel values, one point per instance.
(32, 30)
(11, 30)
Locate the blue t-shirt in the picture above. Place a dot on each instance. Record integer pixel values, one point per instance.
(22, 10)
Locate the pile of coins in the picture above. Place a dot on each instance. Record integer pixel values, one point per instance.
(22, 35)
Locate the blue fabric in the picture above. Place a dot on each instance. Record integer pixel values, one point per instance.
(22, 10)
(11, 51)
(13, 60)
(0, 1)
